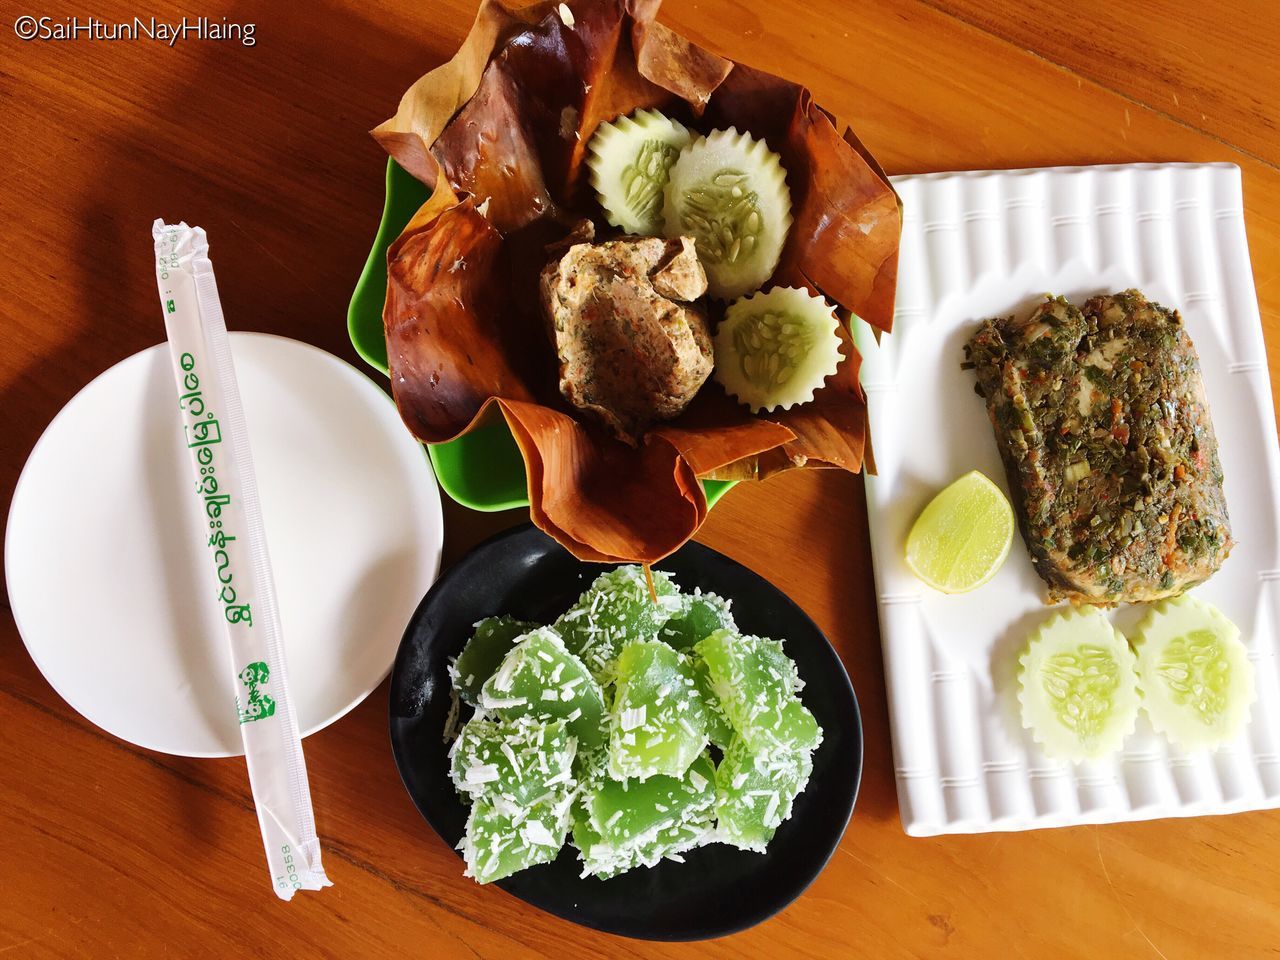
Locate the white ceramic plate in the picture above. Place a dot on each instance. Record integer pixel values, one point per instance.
(112, 586)
(987, 244)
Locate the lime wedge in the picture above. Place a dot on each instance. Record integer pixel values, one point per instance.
(962, 537)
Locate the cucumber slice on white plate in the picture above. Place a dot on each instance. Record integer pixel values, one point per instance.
(1197, 681)
(729, 192)
(629, 159)
(1078, 686)
(773, 350)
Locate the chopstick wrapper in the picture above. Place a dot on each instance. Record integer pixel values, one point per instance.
(240, 570)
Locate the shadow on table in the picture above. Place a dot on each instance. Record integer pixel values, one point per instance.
(858, 642)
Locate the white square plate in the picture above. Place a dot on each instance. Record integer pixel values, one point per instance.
(986, 244)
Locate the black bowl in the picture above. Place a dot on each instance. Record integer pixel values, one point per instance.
(718, 889)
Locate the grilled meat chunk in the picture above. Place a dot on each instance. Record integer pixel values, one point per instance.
(633, 348)
(1104, 429)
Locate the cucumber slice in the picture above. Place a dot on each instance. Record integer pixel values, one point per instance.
(1196, 678)
(1078, 686)
(729, 192)
(629, 161)
(773, 350)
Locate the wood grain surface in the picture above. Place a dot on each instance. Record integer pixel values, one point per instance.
(107, 850)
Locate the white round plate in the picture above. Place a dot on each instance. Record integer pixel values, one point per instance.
(110, 580)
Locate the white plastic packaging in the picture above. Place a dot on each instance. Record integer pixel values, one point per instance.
(214, 428)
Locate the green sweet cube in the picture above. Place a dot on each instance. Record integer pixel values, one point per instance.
(615, 610)
(755, 790)
(718, 727)
(522, 759)
(621, 826)
(502, 838)
(756, 684)
(658, 725)
(623, 813)
(493, 639)
(602, 859)
(795, 728)
(698, 616)
(539, 677)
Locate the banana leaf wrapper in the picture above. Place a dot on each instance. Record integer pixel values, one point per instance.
(500, 133)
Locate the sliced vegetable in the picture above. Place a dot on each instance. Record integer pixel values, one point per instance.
(493, 638)
(658, 725)
(630, 159)
(729, 192)
(773, 350)
(539, 677)
(1197, 681)
(1078, 686)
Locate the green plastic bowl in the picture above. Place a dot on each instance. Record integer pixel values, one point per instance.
(482, 470)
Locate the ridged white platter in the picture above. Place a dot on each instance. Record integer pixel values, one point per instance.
(984, 244)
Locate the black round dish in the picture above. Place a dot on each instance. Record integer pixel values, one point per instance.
(718, 889)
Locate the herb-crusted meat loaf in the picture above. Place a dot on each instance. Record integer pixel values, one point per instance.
(1102, 422)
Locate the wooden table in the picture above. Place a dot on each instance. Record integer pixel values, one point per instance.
(108, 850)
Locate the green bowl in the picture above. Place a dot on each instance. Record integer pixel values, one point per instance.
(482, 470)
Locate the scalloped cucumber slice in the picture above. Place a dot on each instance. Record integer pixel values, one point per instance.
(773, 350)
(494, 637)
(729, 192)
(1197, 681)
(630, 159)
(1078, 686)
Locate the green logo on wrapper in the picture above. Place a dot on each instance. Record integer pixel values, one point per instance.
(256, 704)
